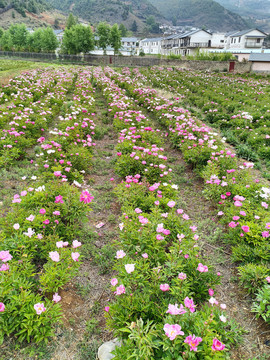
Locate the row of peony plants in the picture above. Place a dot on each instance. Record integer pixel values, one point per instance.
(28, 115)
(238, 105)
(39, 233)
(243, 204)
(163, 306)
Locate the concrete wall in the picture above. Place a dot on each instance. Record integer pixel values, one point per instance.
(260, 66)
(132, 61)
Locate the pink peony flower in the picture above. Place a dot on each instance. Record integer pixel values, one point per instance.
(54, 256)
(56, 212)
(202, 268)
(245, 228)
(114, 282)
(182, 276)
(175, 310)
(189, 304)
(76, 243)
(130, 268)
(213, 301)
(2, 307)
(39, 308)
(172, 331)
(164, 287)
(107, 308)
(145, 256)
(223, 318)
(46, 222)
(42, 211)
(5, 255)
(59, 199)
(16, 226)
(30, 218)
(120, 254)
(75, 256)
(56, 298)
(171, 203)
(193, 342)
(268, 279)
(4, 267)
(238, 203)
(217, 345)
(120, 290)
(86, 197)
(211, 292)
(264, 204)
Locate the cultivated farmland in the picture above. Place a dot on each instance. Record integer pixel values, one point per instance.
(134, 204)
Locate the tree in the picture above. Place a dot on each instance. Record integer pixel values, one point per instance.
(115, 38)
(49, 40)
(34, 41)
(1, 32)
(78, 39)
(71, 21)
(6, 41)
(123, 30)
(103, 31)
(18, 33)
(134, 26)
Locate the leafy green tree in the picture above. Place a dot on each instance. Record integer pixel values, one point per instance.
(49, 40)
(6, 41)
(123, 30)
(1, 32)
(78, 39)
(34, 41)
(115, 38)
(134, 26)
(71, 21)
(18, 33)
(103, 32)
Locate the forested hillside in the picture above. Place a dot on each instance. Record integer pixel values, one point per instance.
(113, 11)
(200, 13)
(34, 6)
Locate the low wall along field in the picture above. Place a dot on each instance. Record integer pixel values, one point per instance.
(132, 61)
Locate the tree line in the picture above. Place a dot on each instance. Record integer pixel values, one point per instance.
(77, 38)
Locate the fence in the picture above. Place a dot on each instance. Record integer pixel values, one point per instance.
(132, 61)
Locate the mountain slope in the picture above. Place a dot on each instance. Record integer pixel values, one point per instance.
(207, 13)
(33, 6)
(258, 8)
(112, 11)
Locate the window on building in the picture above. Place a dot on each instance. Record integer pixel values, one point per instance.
(258, 41)
(231, 40)
(239, 39)
(222, 41)
(234, 41)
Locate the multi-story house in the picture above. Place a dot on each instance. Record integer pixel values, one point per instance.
(150, 46)
(245, 39)
(187, 43)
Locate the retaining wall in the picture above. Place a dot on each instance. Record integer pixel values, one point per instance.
(132, 61)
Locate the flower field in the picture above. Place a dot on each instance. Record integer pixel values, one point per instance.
(163, 291)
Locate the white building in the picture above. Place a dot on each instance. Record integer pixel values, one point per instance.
(150, 46)
(246, 39)
(187, 43)
(129, 45)
(218, 40)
